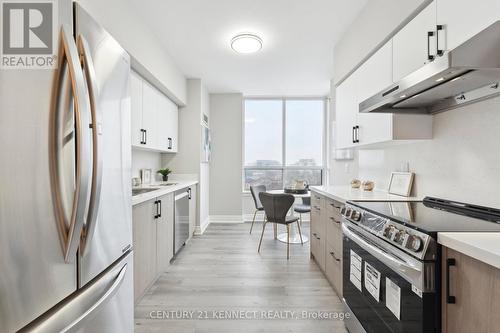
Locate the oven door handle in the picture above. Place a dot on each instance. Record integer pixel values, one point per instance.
(400, 266)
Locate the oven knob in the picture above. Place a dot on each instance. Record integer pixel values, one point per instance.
(348, 212)
(343, 210)
(388, 231)
(414, 243)
(356, 216)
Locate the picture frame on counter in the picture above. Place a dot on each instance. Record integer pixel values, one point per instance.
(401, 183)
(146, 176)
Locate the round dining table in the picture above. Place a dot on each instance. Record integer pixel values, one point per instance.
(294, 234)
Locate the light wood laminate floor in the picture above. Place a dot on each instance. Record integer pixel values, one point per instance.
(222, 271)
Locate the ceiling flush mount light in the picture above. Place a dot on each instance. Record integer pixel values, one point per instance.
(246, 43)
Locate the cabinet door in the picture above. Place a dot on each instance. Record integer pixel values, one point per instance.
(476, 287)
(165, 233)
(333, 267)
(136, 108)
(192, 210)
(346, 109)
(412, 45)
(462, 19)
(174, 125)
(163, 123)
(150, 115)
(374, 76)
(144, 238)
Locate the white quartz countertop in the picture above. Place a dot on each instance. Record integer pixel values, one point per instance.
(161, 190)
(483, 246)
(346, 193)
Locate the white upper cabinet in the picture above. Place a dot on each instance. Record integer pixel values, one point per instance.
(154, 117)
(173, 128)
(375, 75)
(150, 116)
(136, 109)
(462, 19)
(167, 124)
(346, 108)
(355, 129)
(416, 44)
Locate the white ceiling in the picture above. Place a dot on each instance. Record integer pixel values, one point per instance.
(298, 36)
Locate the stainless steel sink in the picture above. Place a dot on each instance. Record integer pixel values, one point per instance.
(137, 191)
(168, 184)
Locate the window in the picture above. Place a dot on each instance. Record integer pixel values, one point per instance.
(284, 142)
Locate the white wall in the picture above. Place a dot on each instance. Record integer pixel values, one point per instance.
(226, 112)
(462, 162)
(204, 187)
(375, 24)
(120, 19)
(142, 159)
(188, 158)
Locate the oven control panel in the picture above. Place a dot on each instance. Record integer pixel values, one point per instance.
(407, 239)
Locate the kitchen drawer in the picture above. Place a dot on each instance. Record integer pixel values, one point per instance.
(333, 207)
(318, 248)
(317, 218)
(334, 232)
(333, 267)
(317, 201)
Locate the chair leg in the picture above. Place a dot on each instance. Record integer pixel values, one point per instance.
(254, 214)
(300, 218)
(300, 232)
(262, 235)
(275, 231)
(288, 241)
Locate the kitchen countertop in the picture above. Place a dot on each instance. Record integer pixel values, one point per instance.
(161, 190)
(483, 246)
(346, 193)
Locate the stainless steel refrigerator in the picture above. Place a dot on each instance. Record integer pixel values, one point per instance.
(65, 189)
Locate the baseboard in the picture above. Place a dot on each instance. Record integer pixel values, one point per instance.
(200, 230)
(226, 219)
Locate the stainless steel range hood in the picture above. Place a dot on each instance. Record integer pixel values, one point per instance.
(469, 73)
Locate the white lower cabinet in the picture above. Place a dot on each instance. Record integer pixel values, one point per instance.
(153, 236)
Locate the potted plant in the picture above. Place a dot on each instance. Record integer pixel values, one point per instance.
(165, 172)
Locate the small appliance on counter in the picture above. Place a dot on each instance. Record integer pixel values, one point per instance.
(300, 187)
(392, 261)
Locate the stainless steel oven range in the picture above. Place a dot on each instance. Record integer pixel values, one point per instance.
(391, 266)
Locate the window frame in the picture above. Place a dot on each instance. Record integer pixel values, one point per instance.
(283, 167)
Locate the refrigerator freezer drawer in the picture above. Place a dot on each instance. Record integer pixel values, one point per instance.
(104, 305)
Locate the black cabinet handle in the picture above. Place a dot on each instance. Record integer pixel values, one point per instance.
(333, 255)
(145, 136)
(449, 262)
(429, 55)
(353, 135)
(142, 137)
(189, 193)
(169, 143)
(159, 201)
(356, 128)
(334, 220)
(439, 28)
(157, 209)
